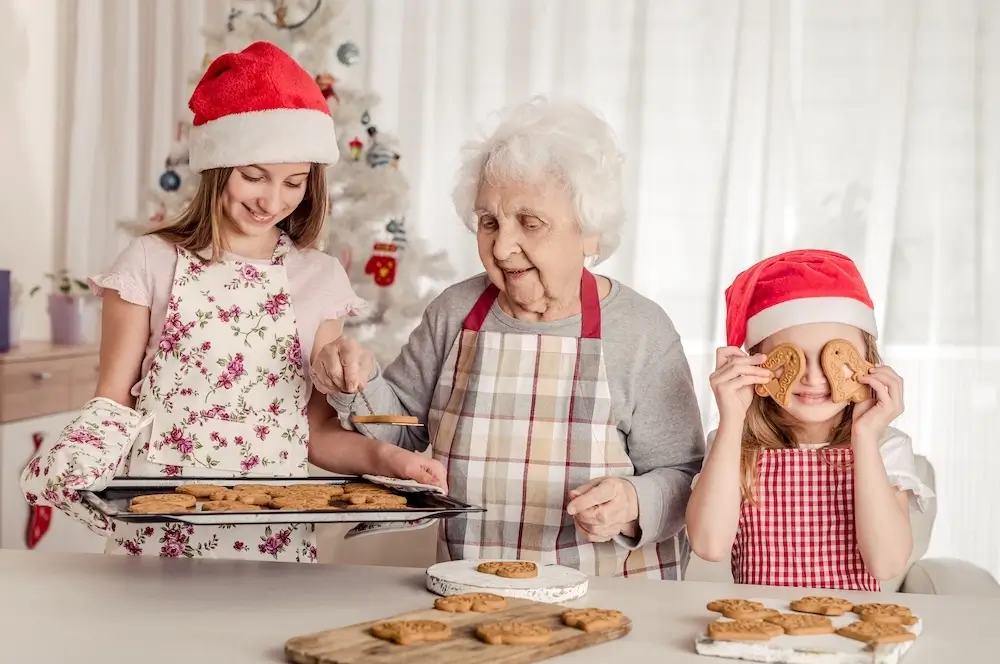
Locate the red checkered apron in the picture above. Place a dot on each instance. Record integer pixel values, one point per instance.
(520, 420)
(801, 532)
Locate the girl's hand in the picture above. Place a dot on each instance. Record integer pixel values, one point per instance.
(343, 365)
(872, 417)
(733, 381)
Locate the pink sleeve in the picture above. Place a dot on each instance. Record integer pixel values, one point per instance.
(128, 275)
(339, 298)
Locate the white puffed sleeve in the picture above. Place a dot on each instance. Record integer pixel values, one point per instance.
(900, 464)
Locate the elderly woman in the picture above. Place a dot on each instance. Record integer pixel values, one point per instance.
(559, 400)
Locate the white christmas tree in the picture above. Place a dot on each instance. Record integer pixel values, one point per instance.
(366, 229)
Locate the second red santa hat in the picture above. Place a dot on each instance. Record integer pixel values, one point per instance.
(259, 106)
(793, 288)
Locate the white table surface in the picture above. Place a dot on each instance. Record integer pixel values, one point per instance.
(97, 609)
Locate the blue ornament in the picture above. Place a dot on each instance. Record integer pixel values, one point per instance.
(379, 155)
(170, 181)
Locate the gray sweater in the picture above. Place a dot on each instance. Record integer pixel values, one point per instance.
(652, 392)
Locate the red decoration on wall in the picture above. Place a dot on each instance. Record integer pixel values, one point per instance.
(40, 516)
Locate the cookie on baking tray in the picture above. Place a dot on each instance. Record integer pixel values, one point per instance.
(513, 633)
(509, 569)
(885, 613)
(409, 632)
(173, 498)
(268, 489)
(300, 503)
(367, 497)
(822, 606)
(159, 507)
(593, 620)
(475, 602)
(199, 491)
(802, 624)
(743, 630)
(876, 633)
(229, 506)
(741, 609)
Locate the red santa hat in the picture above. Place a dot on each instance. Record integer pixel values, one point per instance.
(259, 106)
(793, 288)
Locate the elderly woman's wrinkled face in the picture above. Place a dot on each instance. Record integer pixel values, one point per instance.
(532, 248)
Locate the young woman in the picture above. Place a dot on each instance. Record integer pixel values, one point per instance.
(208, 325)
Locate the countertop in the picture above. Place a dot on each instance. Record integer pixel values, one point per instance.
(98, 609)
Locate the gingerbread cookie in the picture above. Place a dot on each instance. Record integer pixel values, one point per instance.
(475, 602)
(200, 491)
(509, 569)
(876, 633)
(741, 609)
(843, 364)
(593, 620)
(174, 498)
(409, 632)
(228, 506)
(388, 499)
(159, 507)
(300, 503)
(823, 606)
(513, 633)
(269, 489)
(385, 419)
(885, 613)
(787, 363)
(797, 624)
(743, 630)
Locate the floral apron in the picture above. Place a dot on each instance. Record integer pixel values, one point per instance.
(801, 532)
(226, 394)
(519, 420)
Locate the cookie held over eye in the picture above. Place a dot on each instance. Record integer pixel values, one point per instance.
(509, 569)
(787, 363)
(842, 365)
(475, 602)
(409, 632)
(741, 609)
(743, 630)
(513, 633)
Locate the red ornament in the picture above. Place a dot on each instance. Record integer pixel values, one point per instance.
(39, 516)
(356, 145)
(382, 264)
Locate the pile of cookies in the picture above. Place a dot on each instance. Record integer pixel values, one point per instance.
(509, 569)
(877, 624)
(256, 497)
(500, 632)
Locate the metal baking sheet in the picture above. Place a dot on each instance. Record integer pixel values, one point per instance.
(114, 500)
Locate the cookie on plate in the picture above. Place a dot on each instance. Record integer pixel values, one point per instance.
(885, 613)
(802, 624)
(509, 569)
(876, 633)
(822, 606)
(741, 609)
(409, 632)
(743, 630)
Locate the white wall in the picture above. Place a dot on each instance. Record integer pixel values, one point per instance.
(29, 77)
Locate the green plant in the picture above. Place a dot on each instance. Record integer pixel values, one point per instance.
(63, 283)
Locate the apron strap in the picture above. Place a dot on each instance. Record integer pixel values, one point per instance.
(590, 301)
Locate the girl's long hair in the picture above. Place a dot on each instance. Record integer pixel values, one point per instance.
(200, 225)
(768, 426)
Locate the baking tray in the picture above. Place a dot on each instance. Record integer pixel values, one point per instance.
(113, 502)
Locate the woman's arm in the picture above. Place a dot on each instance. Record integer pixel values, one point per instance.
(881, 514)
(124, 336)
(713, 512)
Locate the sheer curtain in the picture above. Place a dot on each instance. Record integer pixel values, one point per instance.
(753, 126)
(127, 65)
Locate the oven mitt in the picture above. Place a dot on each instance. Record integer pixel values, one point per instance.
(84, 457)
(402, 486)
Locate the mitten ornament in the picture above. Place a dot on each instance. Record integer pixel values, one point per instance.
(382, 264)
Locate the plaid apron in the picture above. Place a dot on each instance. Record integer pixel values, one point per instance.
(519, 420)
(802, 531)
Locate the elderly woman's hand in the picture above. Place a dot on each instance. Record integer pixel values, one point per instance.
(343, 365)
(603, 508)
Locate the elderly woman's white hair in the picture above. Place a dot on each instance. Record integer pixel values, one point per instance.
(559, 140)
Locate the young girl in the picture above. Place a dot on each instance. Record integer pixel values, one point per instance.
(814, 493)
(202, 369)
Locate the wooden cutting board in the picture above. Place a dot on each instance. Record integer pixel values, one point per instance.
(354, 644)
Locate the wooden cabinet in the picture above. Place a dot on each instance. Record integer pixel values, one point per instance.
(41, 388)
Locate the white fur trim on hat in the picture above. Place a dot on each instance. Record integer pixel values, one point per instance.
(279, 136)
(810, 310)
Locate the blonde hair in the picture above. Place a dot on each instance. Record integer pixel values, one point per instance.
(201, 223)
(768, 426)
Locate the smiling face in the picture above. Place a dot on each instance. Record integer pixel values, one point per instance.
(258, 197)
(810, 401)
(532, 248)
